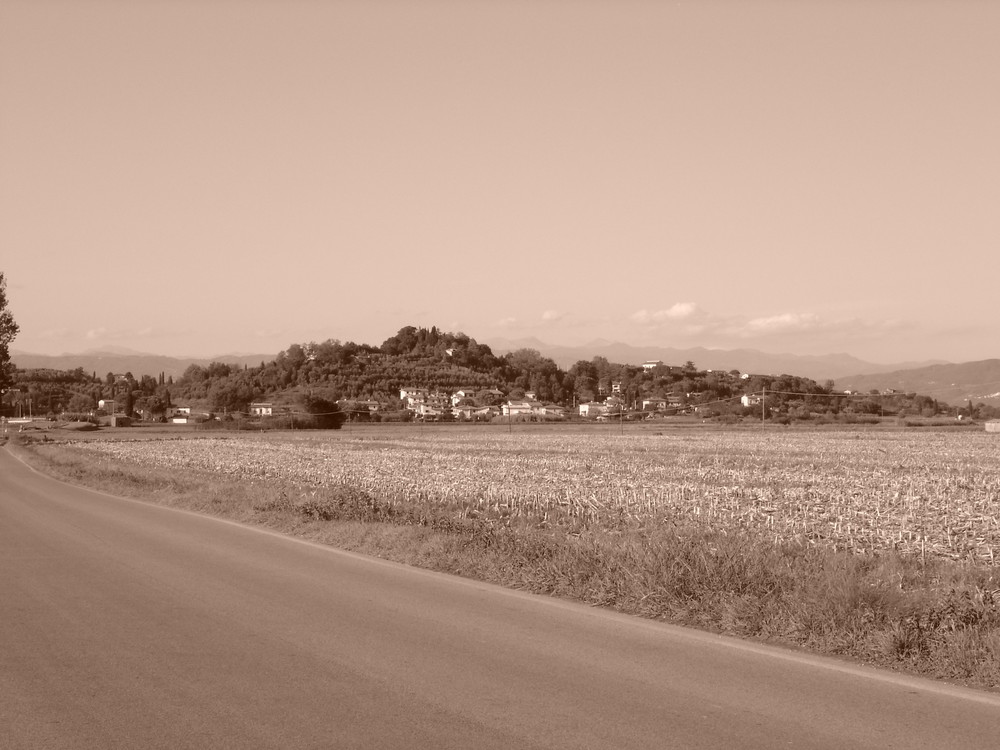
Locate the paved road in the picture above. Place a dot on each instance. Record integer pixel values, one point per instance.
(127, 625)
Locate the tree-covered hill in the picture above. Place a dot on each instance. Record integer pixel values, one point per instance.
(413, 358)
(437, 361)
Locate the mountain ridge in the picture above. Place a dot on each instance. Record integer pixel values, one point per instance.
(121, 360)
(817, 367)
(977, 381)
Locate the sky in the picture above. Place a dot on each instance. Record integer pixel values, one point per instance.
(204, 177)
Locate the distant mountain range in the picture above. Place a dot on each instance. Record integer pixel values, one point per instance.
(119, 361)
(817, 367)
(953, 384)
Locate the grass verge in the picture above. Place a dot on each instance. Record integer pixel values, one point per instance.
(936, 618)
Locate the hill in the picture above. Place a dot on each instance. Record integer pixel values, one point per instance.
(817, 367)
(952, 383)
(440, 365)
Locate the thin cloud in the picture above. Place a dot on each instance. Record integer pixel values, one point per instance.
(792, 323)
(677, 312)
(553, 316)
(686, 323)
(786, 322)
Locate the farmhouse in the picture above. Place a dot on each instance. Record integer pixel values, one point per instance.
(413, 396)
(371, 405)
(523, 406)
(469, 413)
(261, 409)
(188, 418)
(593, 409)
(428, 413)
(462, 393)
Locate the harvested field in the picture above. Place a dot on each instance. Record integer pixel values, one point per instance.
(926, 493)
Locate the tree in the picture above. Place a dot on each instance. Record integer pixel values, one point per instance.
(230, 394)
(81, 403)
(324, 410)
(129, 401)
(8, 331)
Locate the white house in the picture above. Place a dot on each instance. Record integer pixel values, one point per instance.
(469, 413)
(593, 409)
(523, 406)
(413, 396)
(427, 412)
(261, 409)
(461, 393)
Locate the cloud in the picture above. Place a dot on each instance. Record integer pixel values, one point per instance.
(507, 322)
(677, 312)
(804, 331)
(784, 323)
(809, 329)
(687, 319)
(552, 316)
(104, 334)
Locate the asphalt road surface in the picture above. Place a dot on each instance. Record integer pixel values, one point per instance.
(127, 625)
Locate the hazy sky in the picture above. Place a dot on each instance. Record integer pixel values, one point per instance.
(199, 177)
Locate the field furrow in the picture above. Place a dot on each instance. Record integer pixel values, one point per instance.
(926, 493)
